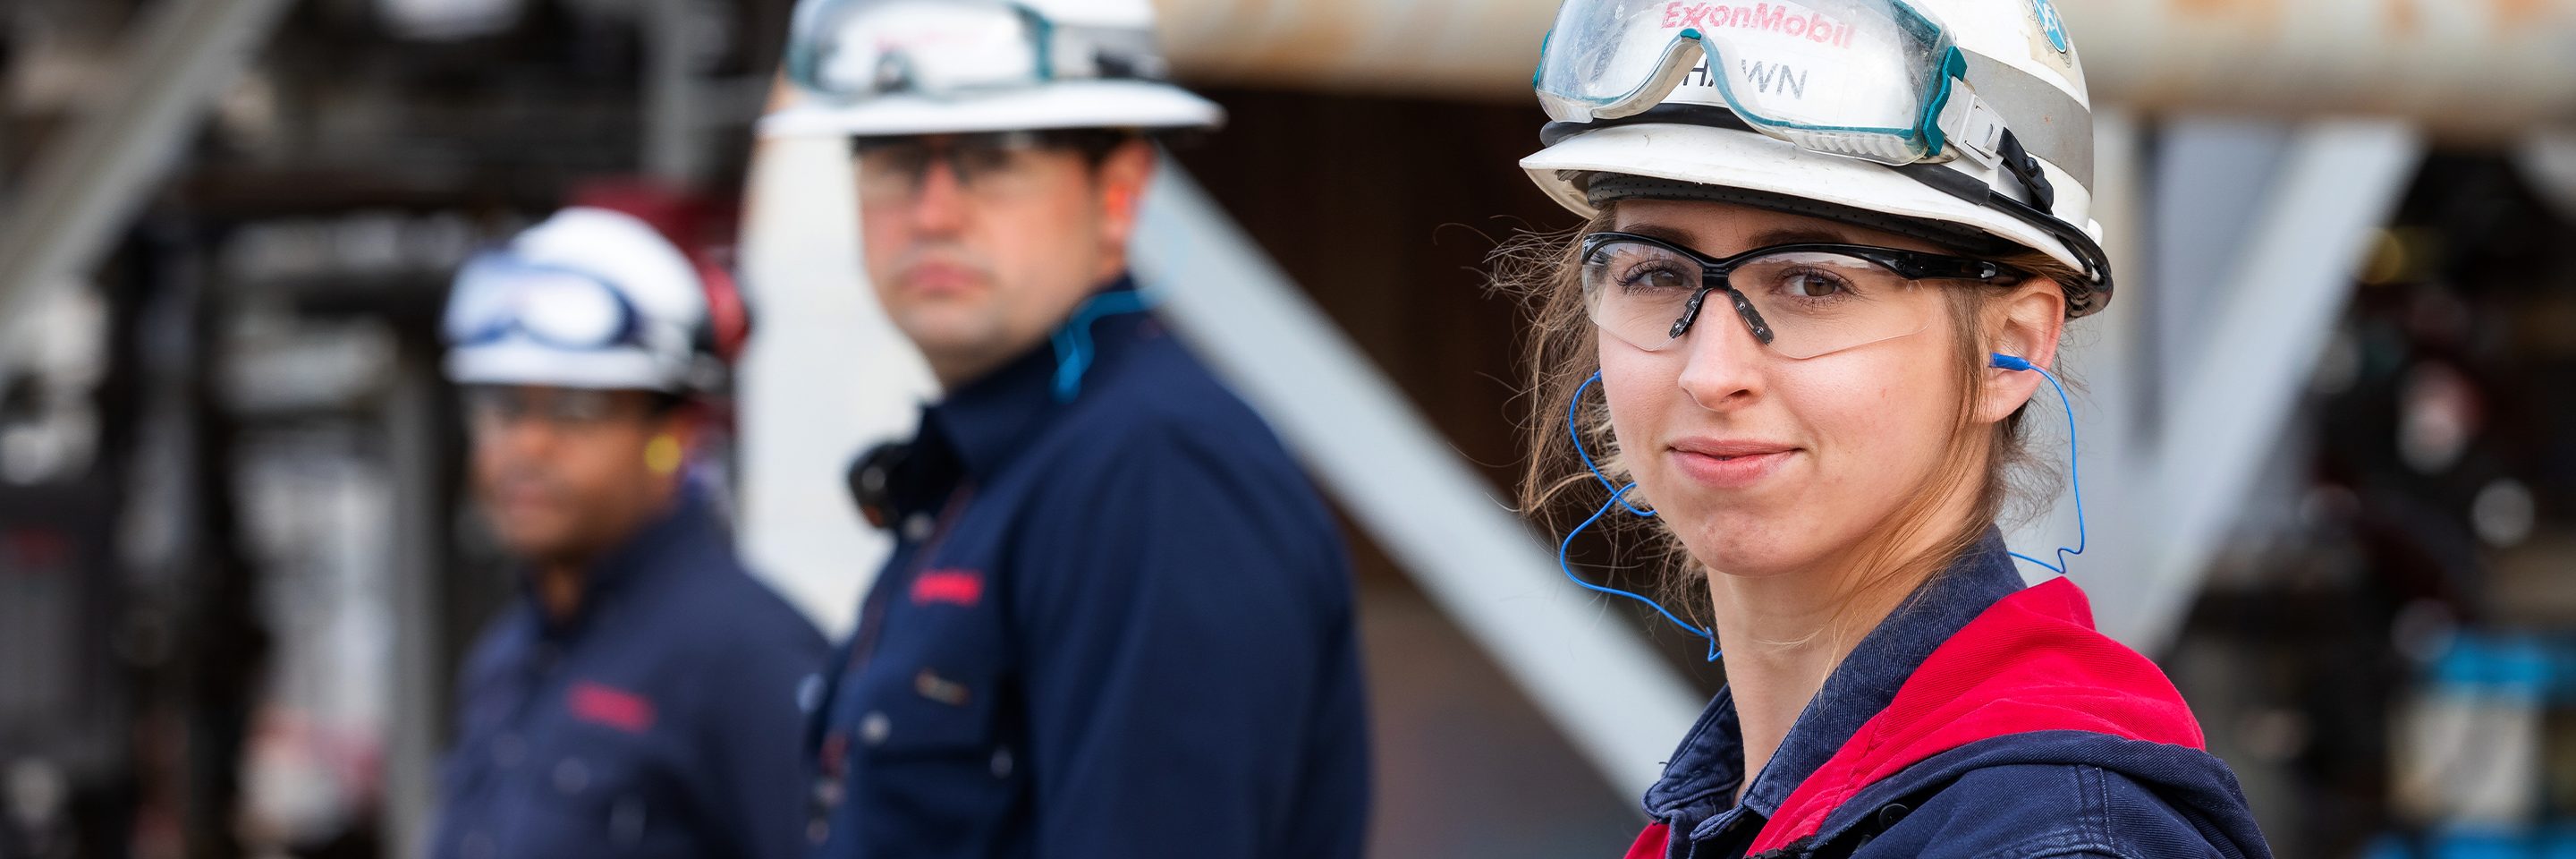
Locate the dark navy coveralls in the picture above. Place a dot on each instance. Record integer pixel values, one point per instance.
(1117, 623)
(660, 721)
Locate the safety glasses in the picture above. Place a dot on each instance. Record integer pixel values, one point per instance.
(1800, 300)
(493, 409)
(499, 296)
(863, 48)
(992, 166)
(1867, 79)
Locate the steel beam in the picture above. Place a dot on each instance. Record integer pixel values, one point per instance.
(2339, 181)
(92, 177)
(1593, 677)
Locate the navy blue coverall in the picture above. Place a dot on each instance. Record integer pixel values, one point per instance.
(1117, 623)
(661, 720)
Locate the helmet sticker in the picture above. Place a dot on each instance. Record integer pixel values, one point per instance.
(2051, 24)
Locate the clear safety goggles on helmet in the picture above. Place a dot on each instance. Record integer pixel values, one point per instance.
(1868, 79)
(855, 49)
(1800, 300)
(499, 296)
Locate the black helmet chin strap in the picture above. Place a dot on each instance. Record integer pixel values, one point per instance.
(2025, 168)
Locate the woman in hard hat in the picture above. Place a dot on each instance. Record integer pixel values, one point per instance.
(1830, 253)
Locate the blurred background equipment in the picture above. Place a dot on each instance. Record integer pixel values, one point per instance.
(2337, 496)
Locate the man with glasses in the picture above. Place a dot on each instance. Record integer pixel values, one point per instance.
(640, 697)
(1117, 620)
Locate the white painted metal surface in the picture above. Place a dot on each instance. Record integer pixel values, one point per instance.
(824, 377)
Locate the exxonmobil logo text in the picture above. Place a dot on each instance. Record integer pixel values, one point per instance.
(1782, 18)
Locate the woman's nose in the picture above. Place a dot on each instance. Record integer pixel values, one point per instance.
(1722, 362)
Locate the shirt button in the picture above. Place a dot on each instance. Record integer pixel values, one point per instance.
(809, 693)
(818, 831)
(874, 727)
(626, 821)
(916, 527)
(571, 776)
(507, 750)
(1002, 762)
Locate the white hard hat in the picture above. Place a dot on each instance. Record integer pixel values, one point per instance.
(883, 68)
(591, 298)
(1964, 122)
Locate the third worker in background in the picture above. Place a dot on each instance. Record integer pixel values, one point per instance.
(1117, 619)
(638, 696)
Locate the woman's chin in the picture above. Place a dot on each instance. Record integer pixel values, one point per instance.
(1748, 546)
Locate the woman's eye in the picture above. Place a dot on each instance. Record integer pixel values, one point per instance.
(1813, 284)
(1652, 277)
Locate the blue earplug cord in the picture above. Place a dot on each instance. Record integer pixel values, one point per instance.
(1618, 498)
(2074, 463)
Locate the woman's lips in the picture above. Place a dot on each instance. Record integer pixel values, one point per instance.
(1730, 464)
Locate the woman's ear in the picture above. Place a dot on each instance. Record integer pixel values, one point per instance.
(2024, 324)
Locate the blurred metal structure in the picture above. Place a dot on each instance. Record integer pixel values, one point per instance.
(1593, 677)
(2484, 68)
(2176, 446)
(92, 178)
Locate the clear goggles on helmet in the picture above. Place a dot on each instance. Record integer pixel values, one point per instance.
(1868, 79)
(499, 296)
(1800, 300)
(855, 49)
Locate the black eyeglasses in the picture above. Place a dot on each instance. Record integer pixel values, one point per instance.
(990, 165)
(1800, 300)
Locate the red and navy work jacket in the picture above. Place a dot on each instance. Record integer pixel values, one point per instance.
(1980, 719)
(660, 721)
(1117, 623)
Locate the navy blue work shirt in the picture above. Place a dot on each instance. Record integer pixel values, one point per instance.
(660, 720)
(1116, 624)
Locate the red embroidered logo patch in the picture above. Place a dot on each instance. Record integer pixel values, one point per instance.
(611, 706)
(955, 587)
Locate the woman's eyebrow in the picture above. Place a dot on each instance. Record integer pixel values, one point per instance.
(1800, 236)
(1669, 234)
(1767, 238)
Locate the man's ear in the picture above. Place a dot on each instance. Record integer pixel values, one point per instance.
(1124, 173)
(2024, 324)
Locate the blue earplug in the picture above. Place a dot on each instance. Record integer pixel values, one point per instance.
(2074, 465)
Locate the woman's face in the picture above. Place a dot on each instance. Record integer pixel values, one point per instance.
(1762, 463)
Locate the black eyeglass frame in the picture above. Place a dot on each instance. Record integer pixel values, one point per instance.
(1911, 265)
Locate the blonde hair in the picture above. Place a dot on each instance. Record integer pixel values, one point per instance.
(1544, 271)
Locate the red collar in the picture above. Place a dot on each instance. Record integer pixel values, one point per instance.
(2031, 662)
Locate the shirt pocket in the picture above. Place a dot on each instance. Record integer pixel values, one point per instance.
(595, 791)
(935, 767)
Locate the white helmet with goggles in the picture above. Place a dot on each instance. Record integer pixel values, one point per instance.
(1961, 122)
(591, 298)
(890, 68)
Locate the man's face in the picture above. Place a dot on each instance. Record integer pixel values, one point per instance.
(980, 245)
(566, 474)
